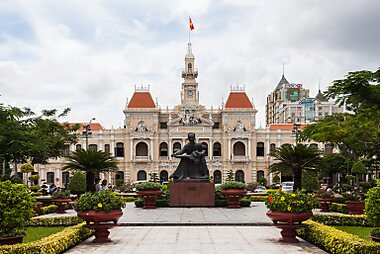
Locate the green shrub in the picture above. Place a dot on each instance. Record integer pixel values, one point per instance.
(310, 181)
(16, 207)
(252, 186)
(34, 188)
(127, 199)
(263, 181)
(258, 198)
(56, 243)
(148, 186)
(139, 203)
(221, 203)
(271, 191)
(346, 186)
(99, 201)
(48, 209)
(228, 185)
(60, 195)
(372, 206)
(245, 202)
(37, 194)
(350, 177)
(27, 168)
(336, 241)
(54, 221)
(365, 185)
(276, 179)
(119, 182)
(375, 232)
(342, 220)
(297, 202)
(359, 168)
(162, 203)
(35, 177)
(336, 207)
(77, 183)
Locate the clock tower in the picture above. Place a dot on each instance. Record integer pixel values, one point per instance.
(189, 92)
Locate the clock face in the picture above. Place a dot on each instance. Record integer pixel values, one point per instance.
(190, 93)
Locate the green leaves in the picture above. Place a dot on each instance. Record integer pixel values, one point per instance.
(99, 201)
(228, 185)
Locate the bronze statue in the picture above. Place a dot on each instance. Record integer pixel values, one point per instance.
(193, 163)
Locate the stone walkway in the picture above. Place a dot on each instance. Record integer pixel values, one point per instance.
(193, 230)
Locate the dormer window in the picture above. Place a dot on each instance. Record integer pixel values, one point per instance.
(189, 68)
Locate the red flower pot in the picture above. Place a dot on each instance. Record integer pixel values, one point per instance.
(325, 204)
(355, 207)
(375, 238)
(233, 197)
(149, 197)
(11, 240)
(61, 203)
(100, 216)
(289, 222)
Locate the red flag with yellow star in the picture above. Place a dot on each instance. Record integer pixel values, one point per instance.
(191, 24)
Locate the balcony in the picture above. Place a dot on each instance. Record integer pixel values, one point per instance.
(239, 158)
(141, 158)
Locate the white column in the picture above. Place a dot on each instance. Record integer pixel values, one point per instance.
(170, 149)
(112, 148)
(210, 149)
(249, 148)
(229, 148)
(131, 149)
(151, 150)
(57, 171)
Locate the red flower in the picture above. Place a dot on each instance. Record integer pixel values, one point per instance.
(270, 199)
(308, 202)
(280, 189)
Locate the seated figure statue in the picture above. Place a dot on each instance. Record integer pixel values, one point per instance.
(193, 163)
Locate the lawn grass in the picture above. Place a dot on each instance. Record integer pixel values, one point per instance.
(362, 232)
(36, 233)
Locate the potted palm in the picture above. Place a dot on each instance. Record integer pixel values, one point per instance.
(98, 208)
(149, 192)
(61, 199)
(16, 208)
(233, 191)
(288, 210)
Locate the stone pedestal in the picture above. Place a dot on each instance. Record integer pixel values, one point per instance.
(192, 194)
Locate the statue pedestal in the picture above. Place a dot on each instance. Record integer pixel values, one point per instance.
(192, 193)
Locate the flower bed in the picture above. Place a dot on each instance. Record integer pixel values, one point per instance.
(336, 241)
(56, 243)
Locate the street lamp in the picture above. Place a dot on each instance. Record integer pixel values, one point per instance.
(87, 131)
(296, 130)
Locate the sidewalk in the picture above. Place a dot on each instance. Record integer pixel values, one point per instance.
(193, 230)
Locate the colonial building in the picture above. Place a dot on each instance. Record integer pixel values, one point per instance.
(292, 103)
(151, 135)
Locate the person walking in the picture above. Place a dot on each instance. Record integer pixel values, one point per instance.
(104, 186)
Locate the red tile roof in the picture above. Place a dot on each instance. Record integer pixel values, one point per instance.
(285, 126)
(141, 100)
(238, 100)
(93, 126)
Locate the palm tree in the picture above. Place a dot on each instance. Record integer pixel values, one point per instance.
(90, 162)
(293, 160)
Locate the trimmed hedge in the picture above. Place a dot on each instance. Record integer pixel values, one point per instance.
(342, 220)
(139, 203)
(258, 198)
(48, 209)
(336, 241)
(245, 202)
(54, 221)
(341, 208)
(56, 243)
(127, 199)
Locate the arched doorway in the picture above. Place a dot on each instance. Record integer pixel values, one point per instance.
(217, 176)
(239, 149)
(239, 176)
(164, 176)
(141, 175)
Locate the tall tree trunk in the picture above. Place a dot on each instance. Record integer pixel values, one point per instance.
(297, 180)
(90, 181)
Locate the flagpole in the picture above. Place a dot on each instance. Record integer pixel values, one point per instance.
(189, 35)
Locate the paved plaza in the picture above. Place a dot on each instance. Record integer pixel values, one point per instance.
(193, 230)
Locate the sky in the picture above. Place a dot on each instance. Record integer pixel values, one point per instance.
(88, 55)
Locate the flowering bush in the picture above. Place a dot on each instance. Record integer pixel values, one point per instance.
(297, 202)
(99, 201)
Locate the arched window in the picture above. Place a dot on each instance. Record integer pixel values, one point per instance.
(164, 176)
(176, 147)
(189, 68)
(206, 147)
(50, 177)
(65, 178)
(107, 148)
(163, 149)
(314, 145)
(141, 175)
(272, 147)
(141, 149)
(286, 144)
(78, 147)
(239, 148)
(217, 176)
(239, 176)
(217, 149)
(93, 147)
(260, 149)
(119, 175)
(260, 175)
(328, 148)
(119, 149)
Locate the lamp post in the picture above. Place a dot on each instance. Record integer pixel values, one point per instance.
(87, 131)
